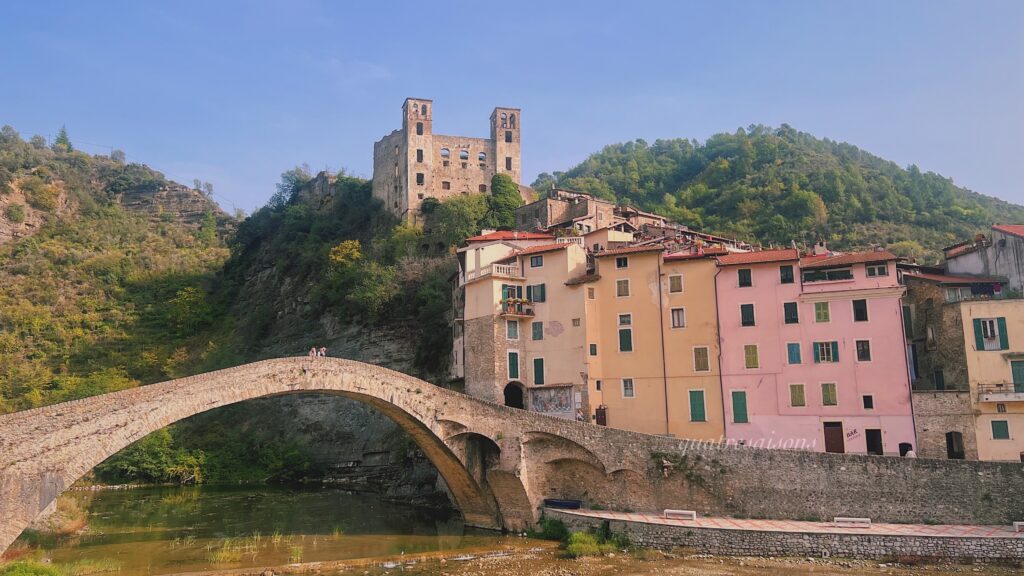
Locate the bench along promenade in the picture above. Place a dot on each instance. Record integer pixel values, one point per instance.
(501, 463)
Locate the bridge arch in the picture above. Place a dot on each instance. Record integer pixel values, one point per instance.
(45, 450)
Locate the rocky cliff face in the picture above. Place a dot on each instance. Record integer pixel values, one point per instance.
(185, 204)
(18, 219)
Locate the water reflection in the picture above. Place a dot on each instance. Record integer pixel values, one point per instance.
(164, 530)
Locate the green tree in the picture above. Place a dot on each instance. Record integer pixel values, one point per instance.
(375, 289)
(502, 202)
(189, 310)
(62, 143)
(457, 218)
(291, 182)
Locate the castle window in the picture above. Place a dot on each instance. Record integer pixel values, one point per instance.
(419, 128)
(482, 157)
(504, 120)
(463, 154)
(508, 162)
(512, 120)
(446, 185)
(423, 109)
(445, 155)
(419, 155)
(508, 135)
(483, 187)
(419, 178)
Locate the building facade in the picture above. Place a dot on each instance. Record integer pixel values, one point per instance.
(967, 365)
(1001, 254)
(413, 163)
(652, 343)
(812, 352)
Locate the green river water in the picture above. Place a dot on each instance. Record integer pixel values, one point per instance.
(175, 529)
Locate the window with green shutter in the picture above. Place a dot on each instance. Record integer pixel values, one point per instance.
(829, 397)
(821, 312)
(796, 395)
(746, 314)
(513, 365)
(990, 334)
(538, 330)
(750, 356)
(538, 371)
(739, 407)
(1000, 430)
(697, 406)
(625, 340)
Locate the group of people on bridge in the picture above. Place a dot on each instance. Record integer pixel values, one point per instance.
(315, 352)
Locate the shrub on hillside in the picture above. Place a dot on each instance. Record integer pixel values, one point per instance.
(15, 213)
(39, 194)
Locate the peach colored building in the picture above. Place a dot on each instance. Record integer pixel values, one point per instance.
(813, 355)
(652, 337)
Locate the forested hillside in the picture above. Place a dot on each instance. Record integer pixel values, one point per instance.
(778, 185)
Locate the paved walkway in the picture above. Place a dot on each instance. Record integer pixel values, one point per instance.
(877, 529)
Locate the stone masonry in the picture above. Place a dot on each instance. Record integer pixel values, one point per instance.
(500, 463)
(413, 163)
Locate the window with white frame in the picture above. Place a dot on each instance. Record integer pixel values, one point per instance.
(701, 359)
(675, 283)
(622, 262)
(878, 270)
(821, 312)
(679, 317)
(536, 261)
(622, 287)
(750, 356)
(628, 391)
(512, 329)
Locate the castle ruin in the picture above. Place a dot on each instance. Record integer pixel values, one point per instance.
(412, 163)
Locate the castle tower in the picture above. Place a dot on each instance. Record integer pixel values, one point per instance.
(505, 126)
(413, 163)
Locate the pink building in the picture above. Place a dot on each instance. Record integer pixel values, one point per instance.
(812, 352)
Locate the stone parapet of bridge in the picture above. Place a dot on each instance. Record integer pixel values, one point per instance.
(500, 463)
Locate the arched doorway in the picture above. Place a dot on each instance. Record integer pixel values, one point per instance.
(514, 396)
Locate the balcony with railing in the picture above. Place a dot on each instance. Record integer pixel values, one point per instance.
(516, 308)
(510, 271)
(570, 240)
(1001, 392)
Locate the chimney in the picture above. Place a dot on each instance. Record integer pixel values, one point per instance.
(820, 248)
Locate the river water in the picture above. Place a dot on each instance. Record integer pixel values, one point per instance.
(185, 529)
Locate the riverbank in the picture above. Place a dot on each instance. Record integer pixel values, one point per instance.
(546, 559)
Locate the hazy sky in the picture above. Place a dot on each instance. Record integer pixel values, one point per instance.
(236, 93)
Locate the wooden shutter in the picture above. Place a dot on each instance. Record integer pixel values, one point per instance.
(979, 335)
(817, 353)
(697, 406)
(625, 340)
(1004, 338)
(538, 371)
(835, 351)
(739, 406)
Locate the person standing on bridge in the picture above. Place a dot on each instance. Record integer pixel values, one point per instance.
(323, 351)
(312, 352)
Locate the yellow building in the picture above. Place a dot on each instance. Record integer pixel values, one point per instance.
(994, 331)
(652, 343)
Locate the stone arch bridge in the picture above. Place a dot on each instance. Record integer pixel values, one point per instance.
(500, 463)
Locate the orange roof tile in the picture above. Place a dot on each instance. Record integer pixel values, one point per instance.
(534, 250)
(829, 261)
(1014, 229)
(509, 235)
(759, 256)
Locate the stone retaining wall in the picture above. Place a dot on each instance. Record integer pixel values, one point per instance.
(804, 544)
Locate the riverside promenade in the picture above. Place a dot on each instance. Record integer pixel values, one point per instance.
(750, 537)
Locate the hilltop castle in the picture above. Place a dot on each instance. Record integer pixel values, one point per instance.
(412, 164)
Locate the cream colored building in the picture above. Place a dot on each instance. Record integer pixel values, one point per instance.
(652, 343)
(523, 329)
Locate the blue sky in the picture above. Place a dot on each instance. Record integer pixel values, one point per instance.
(237, 92)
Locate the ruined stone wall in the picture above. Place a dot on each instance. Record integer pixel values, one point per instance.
(484, 360)
(469, 175)
(943, 348)
(390, 173)
(939, 412)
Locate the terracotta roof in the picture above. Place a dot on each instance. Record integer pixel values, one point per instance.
(1014, 229)
(832, 260)
(950, 279)
(585, 279)
(759, 256)
(707, 253)
(534, 250)
(629, 250)
(509, 235)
